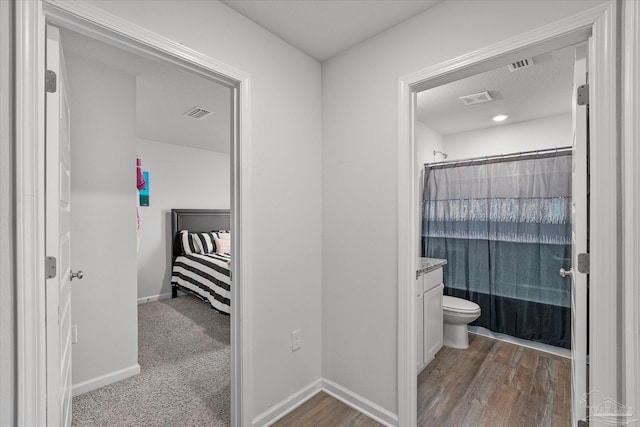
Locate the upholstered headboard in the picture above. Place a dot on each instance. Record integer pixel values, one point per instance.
(197, 220)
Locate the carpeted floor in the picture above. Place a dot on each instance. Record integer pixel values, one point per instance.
(184, 355)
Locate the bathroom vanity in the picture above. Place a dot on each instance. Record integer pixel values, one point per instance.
(429, 288)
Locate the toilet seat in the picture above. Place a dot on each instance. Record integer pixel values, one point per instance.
(459, 305)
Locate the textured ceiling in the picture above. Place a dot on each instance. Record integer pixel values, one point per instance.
(529, 93)
(324, 28)
(163, 95)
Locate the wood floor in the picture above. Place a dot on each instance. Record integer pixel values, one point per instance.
(323, 410)
(492, 383)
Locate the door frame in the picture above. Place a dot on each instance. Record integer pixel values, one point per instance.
(599, 23)
(631, 156)
(31, 20)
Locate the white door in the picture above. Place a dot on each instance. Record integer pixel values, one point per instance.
(579, 314)
(58, 238)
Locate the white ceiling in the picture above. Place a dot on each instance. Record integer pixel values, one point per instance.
(529, 93)
(163, 95)
(324, 28)
(162, 100)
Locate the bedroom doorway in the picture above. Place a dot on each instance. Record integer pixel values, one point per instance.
(176, 128)
(142, 42)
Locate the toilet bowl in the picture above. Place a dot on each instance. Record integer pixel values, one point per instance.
(458, 313)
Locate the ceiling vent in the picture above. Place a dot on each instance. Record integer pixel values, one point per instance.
(197, 113)
(518, 65)
(476, 98)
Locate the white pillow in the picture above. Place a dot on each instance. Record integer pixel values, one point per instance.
(223, 246)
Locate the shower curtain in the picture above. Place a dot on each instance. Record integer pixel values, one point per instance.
(505, 228)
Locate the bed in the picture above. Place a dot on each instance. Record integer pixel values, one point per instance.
(194, 269)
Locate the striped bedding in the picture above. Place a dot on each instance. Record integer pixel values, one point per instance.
(208, 276)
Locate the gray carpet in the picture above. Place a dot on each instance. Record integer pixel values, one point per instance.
(184, 355)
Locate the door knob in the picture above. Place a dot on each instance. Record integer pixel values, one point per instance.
(565, 273)
(78, 275)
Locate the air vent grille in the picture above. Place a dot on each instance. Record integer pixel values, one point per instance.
(197, 113)
(476, 98)
(518, 65)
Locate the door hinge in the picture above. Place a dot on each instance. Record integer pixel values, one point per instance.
(50, 267)
(50, 81)
(584, 264)
(582, 97)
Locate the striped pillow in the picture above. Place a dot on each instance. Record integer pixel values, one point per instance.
(187, 243)
(206, 242)
(198, 243)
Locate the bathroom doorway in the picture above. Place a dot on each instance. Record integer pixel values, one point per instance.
(502, 161)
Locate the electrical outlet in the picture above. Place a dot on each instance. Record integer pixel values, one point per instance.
(74, 334)
(296, 340)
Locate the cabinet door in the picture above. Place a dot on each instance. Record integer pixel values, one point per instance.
(432, 279)
(433, 327)
(420, 328)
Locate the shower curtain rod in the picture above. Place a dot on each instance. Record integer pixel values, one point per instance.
(547, 152)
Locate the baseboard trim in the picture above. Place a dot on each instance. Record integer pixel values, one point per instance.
(346, 396)
(103, 380)
(558, 351)
(287, 405)
(360, 404)
(154, 298)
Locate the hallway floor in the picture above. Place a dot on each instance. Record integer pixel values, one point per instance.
(323, 410)
(492, 383)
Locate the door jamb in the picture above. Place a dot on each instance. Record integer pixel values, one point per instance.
(600, 22)
(631, 156)
(31, 18)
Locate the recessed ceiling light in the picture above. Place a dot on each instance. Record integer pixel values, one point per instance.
(499, 118)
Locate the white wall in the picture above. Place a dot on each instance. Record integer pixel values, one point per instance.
(547, 132)
(360, 124)
(179, 178)
(285, 180)
(103, 229)
(427, 140)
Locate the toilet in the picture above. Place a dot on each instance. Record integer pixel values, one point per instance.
(458, 313)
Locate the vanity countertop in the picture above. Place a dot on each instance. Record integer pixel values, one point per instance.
(426, 265)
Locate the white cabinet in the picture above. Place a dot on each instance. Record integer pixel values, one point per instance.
(429, 316)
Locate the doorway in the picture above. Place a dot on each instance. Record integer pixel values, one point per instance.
(140, 111)
(500, 208)
(596, 25)
(32, 352)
